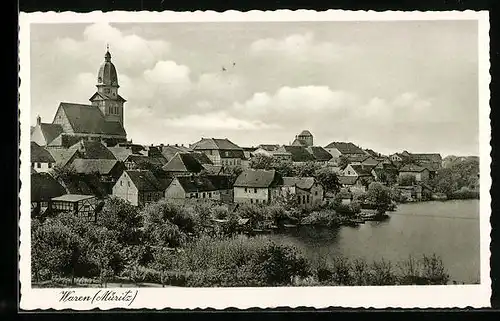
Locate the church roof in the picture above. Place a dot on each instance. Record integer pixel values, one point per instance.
(305, 133)
(107, 74)
(89, 119)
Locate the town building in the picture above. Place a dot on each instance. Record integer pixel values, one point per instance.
(183, 164)
(168, 151)
(137, 161)
(299, 154)
(354, 183)
(257, 186)
(208, 187)
(307, 192)
(107, 170)
(220, 151)
(41, 159)
(83, 206)
(103, 119)
(305, 138)
(420, 173)
(139, 187)
(44, 187)
(320, 154)
(337, 149)
(65, 157)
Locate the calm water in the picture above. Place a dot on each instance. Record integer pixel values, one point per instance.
(448, 229)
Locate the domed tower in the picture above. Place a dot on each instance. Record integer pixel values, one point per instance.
(306, 138)
(107, 98)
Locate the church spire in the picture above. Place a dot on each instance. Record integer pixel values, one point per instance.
(107, 56)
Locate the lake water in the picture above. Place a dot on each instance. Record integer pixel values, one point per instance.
(449, 229)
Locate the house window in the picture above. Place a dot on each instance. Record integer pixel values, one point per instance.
(209, 194)
(251, 201)
(246, 190)
(203, 195)
(128, 184)
(255, 190)
(303, 199)
(39, 165)
(308, 199)
(50, 165)
(121, 183)
(316, 193)
(298, 198)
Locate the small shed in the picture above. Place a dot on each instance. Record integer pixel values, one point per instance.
(81, 205)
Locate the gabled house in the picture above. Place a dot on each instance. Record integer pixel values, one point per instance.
(220, 151)
(299, 154)
(257, 186)
(41, 159)
(135, 161)
(182, 164)
(358, 170)
(107, 170)
(139, 187)
(210, 187)
(306, 190)
(320, 154)
(420, 173)
(92, 150)
(80, 205)
(336, 149)
(65, 157)
(353, 183)
(44, 133)
(168, 151)
(43, 188)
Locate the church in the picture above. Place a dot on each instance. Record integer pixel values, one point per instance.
(101, 120)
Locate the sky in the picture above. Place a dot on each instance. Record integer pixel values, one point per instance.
(388, 86)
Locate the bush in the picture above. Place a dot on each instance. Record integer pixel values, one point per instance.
(321, 218)
(465, 193)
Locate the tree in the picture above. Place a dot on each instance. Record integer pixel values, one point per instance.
(63, 173)
(104, 252)
(284, 168)
(233, 172)
(379, 195)
(328, 179)
(306, 170)
(407, 180)
(122, 217)
(261, 161)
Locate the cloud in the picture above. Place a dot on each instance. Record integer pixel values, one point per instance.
(302, 47)
(169, 77)
(216, 121)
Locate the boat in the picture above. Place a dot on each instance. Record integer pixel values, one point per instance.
(289, 225)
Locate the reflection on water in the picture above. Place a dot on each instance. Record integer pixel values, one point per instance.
(448, 229)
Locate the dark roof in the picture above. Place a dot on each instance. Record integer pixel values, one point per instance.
(50, 131)
(204, 183)
(269, 147)
(372, 153)
(93, 150)
(62, 155)
(145, 181)
(427, 157)
(258, 178)
(40, 155)
(202, 158)
(169, 151)
(346, 148)
(299, 153)
(304, 183)
(44, 187)
(183, 162)
(298, 142)
(320, 154)
(412, 168)
(89, 119)
(143, 159)
(64, 140)
(357, 158)
(215, 143)
(85, 184)
(213, 169)
(121, 153)
(231, 153)
(348, 180)
(362, 170)
(305, 133)
(88, 166)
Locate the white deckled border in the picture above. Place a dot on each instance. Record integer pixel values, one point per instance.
(460, 296)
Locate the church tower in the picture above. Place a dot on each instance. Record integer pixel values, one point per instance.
(107, 98)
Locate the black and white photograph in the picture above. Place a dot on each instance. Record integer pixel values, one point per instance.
(336, 154)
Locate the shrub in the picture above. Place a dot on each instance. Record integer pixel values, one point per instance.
(465, 193)
(321, 218)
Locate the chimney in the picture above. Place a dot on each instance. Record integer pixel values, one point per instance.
(38, 120)
(176, 145)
